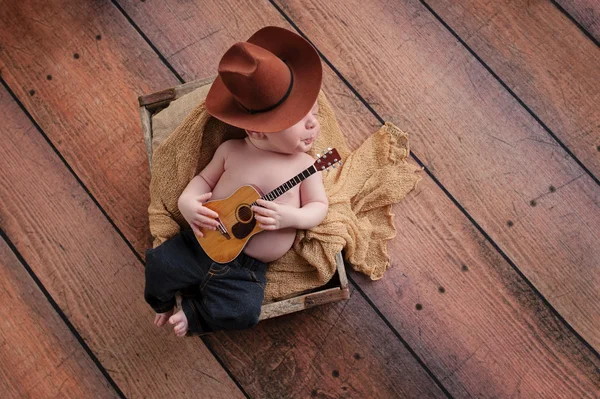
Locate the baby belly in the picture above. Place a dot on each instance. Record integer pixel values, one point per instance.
(268, 246)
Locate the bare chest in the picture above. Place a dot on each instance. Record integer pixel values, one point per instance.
(265, 173)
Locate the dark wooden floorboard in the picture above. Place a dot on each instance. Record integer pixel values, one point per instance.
(457, 332)
(586, 13)
(544, 59)
(90, 273)
(486, 333)
(334, 351)
(517, 183)
(90, 146)
(87, 106)
(40, 357)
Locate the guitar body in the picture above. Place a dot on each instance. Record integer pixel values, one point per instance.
(237, 222)
(237, 218)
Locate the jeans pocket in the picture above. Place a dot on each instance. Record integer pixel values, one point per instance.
(216, 269)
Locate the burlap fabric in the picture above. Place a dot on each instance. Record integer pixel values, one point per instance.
(360, 193)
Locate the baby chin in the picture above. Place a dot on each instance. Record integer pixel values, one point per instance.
(304, 146)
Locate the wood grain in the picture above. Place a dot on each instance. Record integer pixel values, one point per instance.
(340, 350)
(96, 252)
(78, 67)
(216, 245)
(488, 304)
(91, 273)
(543, 58)
(586, 13)
(460, 306)
(529, 196)
(40, 357)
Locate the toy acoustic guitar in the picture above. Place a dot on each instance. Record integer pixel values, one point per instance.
(236, 218)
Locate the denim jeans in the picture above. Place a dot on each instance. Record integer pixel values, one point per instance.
(214, 296)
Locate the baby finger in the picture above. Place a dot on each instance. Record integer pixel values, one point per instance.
(267, 204)
(207, 226)
(263, 211)
(208, 212)
(265, 220)
(206, 221)
(196, 230)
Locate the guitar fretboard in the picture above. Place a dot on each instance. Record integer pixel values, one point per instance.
(288, 185)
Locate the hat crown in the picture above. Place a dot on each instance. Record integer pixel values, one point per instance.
(256, 77)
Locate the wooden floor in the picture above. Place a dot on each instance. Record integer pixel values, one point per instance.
(494, 289)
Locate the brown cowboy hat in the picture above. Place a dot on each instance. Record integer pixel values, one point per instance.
(268, 83)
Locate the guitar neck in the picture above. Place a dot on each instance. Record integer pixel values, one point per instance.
(288, 185)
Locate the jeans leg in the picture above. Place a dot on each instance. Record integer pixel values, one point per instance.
(233, 300)
(174, 265)
(196, 322)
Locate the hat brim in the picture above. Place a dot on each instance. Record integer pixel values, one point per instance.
(306, 66)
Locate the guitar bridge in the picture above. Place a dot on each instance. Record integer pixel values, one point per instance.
(223, 230)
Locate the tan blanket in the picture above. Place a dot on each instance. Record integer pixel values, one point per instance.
(360, 193)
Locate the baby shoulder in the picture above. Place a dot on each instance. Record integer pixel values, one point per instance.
(306, 160)
(228, 145)
(227, 148)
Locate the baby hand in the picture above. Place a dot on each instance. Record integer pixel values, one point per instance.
(197, 215)
(273, 216)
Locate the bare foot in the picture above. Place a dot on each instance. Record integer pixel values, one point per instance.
(180, 322)
(161, 318)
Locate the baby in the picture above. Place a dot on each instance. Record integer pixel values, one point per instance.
(267, 86)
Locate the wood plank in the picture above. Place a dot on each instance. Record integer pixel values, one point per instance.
(464, 309)
(40, 357)
(90, 272)
(112, 25)
(489, 304)
(338, 350)
(533, 200)
(87, 105)
(586, 13)
(543, 58)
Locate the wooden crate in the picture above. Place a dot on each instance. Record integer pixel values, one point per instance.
(335, 290)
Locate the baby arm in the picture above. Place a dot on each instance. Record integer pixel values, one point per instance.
(199, 190)
(314, 204)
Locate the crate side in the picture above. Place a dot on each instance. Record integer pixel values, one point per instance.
(147, 130)
(302, 302)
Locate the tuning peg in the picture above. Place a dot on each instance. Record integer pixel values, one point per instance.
(341, 163)
(334, 166)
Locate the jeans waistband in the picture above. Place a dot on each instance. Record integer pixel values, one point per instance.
(250, 263)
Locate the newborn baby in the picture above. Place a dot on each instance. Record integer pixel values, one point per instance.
(267, 86)
(266, 160)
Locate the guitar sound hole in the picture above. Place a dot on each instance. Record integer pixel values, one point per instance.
(244, 213)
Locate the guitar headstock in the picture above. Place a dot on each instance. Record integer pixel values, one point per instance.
(329, 159)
